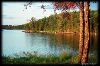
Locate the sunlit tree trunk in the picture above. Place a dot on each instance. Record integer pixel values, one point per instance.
(81, 40)
(87, 35)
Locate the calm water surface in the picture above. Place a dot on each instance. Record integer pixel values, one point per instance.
(16, 42)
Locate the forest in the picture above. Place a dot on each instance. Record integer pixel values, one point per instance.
(57, 23)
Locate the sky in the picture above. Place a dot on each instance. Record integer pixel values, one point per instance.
(14, 13)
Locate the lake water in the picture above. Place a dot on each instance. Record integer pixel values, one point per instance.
(17, 42)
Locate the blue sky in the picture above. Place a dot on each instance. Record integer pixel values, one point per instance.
(13, 14)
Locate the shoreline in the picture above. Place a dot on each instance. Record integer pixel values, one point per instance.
(30, 31)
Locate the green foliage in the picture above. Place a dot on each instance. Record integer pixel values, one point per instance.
(93, 21)
(36, 59)
(56, 23)
(74, 59)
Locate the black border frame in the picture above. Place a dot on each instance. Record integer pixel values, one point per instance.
(47, 1)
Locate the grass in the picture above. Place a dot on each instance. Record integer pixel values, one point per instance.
(37, 59)
(42, 59)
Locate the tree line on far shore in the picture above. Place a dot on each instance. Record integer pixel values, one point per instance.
(56, 23)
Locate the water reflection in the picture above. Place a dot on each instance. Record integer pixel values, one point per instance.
(44, 43)
(57, 43)
(53, 43)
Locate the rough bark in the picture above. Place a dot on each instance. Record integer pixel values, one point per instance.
(81, 40)
(87, 35)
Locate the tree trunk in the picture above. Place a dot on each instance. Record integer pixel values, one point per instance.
(87, 35)
(81, 41)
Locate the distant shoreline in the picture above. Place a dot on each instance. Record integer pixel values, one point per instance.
(30, 31)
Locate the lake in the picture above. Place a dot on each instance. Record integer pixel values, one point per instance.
(17, 42)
